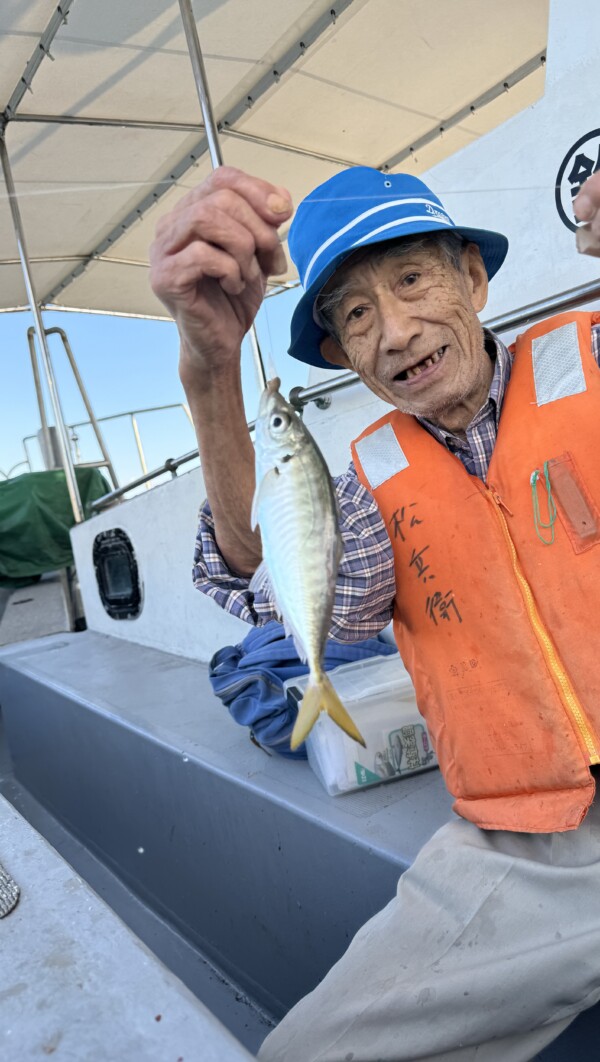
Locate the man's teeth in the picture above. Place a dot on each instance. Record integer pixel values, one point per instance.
(426, 364)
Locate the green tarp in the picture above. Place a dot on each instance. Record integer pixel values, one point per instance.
(35, 517)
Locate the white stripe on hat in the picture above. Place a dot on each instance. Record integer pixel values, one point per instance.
(355, 221)
(397, 224)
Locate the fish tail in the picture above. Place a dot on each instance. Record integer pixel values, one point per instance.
(320, 696)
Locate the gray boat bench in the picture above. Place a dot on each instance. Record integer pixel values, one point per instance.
(255, 871)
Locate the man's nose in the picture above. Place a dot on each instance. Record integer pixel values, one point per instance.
(399, 324)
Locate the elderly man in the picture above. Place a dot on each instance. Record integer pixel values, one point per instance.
(470, 515)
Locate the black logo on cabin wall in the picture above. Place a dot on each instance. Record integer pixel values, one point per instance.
(580, 162)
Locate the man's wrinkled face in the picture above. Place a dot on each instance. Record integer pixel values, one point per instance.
(408, 326)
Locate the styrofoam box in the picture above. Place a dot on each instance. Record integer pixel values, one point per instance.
(380, 697)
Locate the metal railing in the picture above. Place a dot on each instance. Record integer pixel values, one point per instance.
(46, 433)
(132, 414)
(7, 475)
(170, 465)
(321, 393)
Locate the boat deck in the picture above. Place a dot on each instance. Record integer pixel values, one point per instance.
(33, 611)
(62, 991)
(233, 865)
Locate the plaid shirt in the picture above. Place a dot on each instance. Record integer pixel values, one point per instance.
(365, 588)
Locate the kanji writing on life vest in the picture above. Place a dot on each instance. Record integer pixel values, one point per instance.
(421, 567)
(442, 607)
(438, 606)
(400, 516)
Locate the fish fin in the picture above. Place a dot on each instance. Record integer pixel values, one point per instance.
(308, 714)
(291, 632)
(261, 581)
(262, 489)
(320, 696)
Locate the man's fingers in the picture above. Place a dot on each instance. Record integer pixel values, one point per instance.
(587, 203)
(273, 263)
(225, 231)
(272, 202)
(584, 208)
(229, 223)
(218, 230)
(176, 276)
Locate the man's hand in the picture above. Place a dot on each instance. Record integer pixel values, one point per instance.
(209, 266)
(210, 262)
(587, 208)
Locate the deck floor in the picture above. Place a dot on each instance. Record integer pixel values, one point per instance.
(246, 1022)
(33, 611)
(76, 983)
(179, 751)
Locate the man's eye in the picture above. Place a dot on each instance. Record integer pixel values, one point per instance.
(410, 279)
(355, 313)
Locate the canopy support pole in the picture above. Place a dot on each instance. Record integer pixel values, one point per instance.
(63, 438)
(212, 137)
(47, 447)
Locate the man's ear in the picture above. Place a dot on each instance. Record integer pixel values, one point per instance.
(332, 352)
(477, 276)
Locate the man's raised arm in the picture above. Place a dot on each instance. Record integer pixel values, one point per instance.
(209, 266)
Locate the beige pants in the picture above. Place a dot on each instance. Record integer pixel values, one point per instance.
(488, 951)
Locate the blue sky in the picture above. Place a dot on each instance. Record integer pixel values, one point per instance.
(125, 364)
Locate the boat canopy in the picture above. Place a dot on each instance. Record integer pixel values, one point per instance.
(108, 137)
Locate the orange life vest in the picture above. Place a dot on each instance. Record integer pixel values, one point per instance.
(497, 628)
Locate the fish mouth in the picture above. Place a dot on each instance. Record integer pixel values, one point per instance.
(266, 398)
(420, 367)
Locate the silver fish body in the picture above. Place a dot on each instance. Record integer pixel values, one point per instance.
(296, 509)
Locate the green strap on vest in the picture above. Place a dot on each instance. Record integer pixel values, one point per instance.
(541, 526)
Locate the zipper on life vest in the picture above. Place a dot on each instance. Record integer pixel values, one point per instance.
(565, 690)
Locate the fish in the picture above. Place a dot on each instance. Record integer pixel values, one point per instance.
(296, 509)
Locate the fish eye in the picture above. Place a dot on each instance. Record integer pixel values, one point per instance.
(279, 423)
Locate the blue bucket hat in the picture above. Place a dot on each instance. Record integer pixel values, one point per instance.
(354, 209)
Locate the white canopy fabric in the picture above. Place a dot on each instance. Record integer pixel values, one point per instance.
(301, 90)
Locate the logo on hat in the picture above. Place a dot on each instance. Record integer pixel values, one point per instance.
(437, 213)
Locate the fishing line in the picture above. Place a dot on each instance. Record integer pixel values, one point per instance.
(124, 185)
(106, 186)
(272, 371)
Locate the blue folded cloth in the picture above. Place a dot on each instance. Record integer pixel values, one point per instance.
(249, 679)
